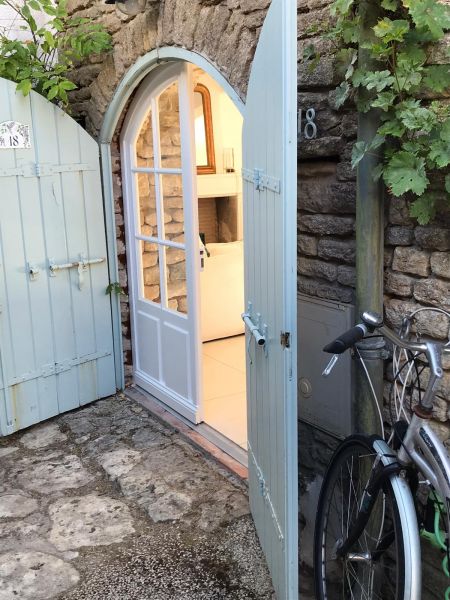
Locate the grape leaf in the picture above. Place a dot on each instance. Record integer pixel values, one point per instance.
(447, 183)
(341, 95)
(384, 100)
(378, 80)
(440, 153)
(417, 118)
(429, 14)
(392, 127)
(406, 173)
(391, 31)
(423, 209)
(341, 7)
(437, 78)
(390, 5)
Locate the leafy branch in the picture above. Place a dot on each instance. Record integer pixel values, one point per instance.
(406, 89)
(44, 61)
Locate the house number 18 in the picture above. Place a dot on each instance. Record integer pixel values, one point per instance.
(307, 129)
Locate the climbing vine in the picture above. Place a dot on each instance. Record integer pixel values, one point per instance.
(44, 60)
(407, 89)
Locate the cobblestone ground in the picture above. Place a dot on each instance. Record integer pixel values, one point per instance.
(107, 503)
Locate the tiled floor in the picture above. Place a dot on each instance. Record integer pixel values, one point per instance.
(224, 388)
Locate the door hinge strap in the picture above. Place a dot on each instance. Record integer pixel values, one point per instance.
(264, 490)
(45, 169)
(56, 368)
(261, 180)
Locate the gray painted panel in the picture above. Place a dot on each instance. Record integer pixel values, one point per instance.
(324, 402)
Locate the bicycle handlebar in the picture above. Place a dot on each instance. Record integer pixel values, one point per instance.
(371, 322)
(346, 340)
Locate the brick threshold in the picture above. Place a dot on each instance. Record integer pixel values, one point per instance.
(188, 431)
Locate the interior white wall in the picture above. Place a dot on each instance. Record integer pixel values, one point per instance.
(227, 123)
(227, 129)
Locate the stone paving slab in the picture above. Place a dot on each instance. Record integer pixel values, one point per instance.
(107, 503)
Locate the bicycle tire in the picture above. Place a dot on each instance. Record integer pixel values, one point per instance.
(392, 526)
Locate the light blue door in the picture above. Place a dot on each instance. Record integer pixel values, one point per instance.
(270, 230)
(56, 347)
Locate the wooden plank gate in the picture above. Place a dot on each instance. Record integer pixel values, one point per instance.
(56, 345)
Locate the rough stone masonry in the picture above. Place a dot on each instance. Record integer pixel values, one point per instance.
(105, 502)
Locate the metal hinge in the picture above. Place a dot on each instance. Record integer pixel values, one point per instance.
(285, 339)
(261, 181)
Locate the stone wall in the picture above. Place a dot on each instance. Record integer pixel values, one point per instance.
(417, 258)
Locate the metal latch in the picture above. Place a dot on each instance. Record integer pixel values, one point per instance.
(285, 339)
(81, 265)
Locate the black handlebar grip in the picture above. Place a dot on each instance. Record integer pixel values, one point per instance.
(346, 340)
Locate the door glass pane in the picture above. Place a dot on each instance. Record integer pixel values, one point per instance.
(169, 128)
(150, 271)
(148, 222)
(176, 279)
(172, 194)
(144, 144)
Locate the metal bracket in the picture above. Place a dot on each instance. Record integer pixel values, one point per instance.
(261, 180)
(285, 339)
(33, 271)
(45, 169)
(372, 348)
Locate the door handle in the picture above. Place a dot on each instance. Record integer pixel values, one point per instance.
(254, 328)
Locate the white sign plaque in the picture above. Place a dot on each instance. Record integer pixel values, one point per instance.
(14, 135)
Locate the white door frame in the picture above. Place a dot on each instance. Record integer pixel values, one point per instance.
(127, 86)
(184, 327)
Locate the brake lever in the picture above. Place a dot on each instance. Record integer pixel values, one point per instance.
(330, 366)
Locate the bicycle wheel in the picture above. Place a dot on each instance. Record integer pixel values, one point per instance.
(377, 567)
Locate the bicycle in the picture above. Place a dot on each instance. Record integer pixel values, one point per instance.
(379, 495)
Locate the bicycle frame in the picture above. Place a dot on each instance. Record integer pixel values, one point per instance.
(424, 449)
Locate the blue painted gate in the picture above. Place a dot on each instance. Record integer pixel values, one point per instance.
(56, 345)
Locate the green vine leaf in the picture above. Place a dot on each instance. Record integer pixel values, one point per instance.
(342, 93)
(413, 139)
(358, 151)
(424, 209)
(415, 117)
(391, 31)
(429, 15)
(378, 80)
(447, 183)
(44, 61)
(384, 100)
(115, 288)
(440, 154)
(341, 7)
(405, 172)
(437, 78)
(391, 5)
